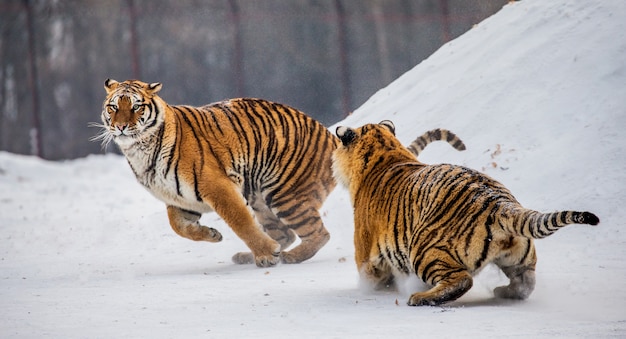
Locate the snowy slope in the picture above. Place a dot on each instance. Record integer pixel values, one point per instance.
(538, 94)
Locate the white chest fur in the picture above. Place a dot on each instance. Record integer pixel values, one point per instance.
(152, 172)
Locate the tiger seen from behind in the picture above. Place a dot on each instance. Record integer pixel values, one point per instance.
(264, 167)
(442, 223)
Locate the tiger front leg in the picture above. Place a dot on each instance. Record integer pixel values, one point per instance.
(186, 224)
(226, 200)
(377, 274)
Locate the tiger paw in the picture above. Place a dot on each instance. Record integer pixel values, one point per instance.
(243, 258)
(210, 234)
(265, 255)
(267, 260)
(418, 299)
(519, 292)
(289, 258)
(268, 255)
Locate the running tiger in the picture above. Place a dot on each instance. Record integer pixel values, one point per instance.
(265, 168)
(441, 222)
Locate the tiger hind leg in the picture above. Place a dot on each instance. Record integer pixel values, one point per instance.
(452, 287)
(285, 237)
(313, 235)
(518, 264)
(273, 227)
(522, 283)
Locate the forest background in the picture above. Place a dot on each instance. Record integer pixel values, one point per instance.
(324, 57)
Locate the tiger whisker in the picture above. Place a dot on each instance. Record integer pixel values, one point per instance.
(104, 135)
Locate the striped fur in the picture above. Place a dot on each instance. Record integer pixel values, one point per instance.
(265, 168)
(441, 222)
(418, 145)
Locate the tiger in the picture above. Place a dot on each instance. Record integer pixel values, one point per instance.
(442, 223)
(265, 168)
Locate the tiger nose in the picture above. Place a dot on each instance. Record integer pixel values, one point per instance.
(121, 126)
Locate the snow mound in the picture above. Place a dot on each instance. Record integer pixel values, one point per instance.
(538, 94)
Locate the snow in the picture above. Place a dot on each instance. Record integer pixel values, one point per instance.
(538, 94)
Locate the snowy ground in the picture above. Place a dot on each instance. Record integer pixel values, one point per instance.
(538, 94)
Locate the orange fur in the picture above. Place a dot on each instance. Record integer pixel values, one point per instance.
(264, 167)
(441, 222)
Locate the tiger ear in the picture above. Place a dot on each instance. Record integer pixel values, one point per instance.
(346, 134)
(154, 87)
(110, 85)
(390, 126)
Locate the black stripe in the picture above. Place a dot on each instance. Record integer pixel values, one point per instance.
(486, 241)
(553, 226)
(563, 216)
(195, 183)
(154, 113)
(426, 274)
(436, 135)
(446, 191)
(187, 113)
(211, 111)
(528, 247)
(197, 214)
(540, 226)
(157, 150)
(458, 144)
(177, 181)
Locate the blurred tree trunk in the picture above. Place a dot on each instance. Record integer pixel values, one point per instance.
(324, 58)
(381, 41)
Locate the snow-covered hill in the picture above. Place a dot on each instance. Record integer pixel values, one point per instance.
(538, 94)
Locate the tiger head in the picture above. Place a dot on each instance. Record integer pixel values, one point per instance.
(129, 110)
(363, 148)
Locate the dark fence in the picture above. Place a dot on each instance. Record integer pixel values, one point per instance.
(323, 57)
